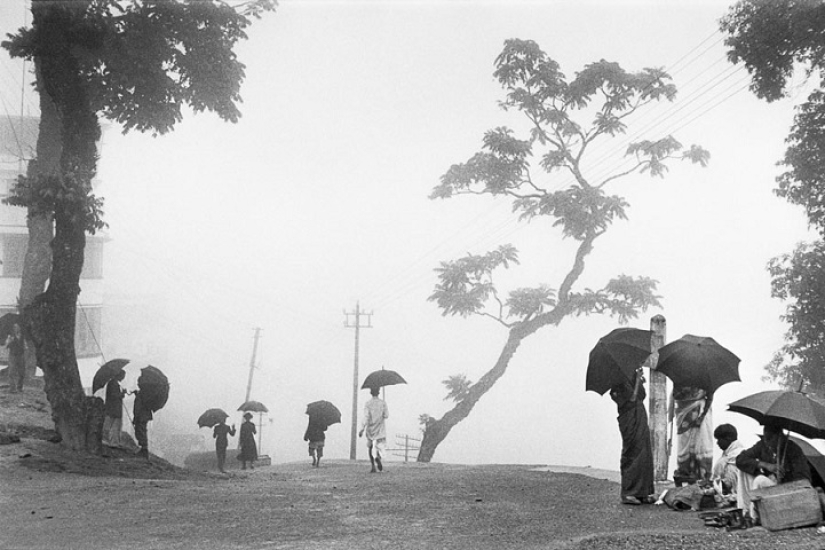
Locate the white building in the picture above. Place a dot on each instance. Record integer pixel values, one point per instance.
(18, 139)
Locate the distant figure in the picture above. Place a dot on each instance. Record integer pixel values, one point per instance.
(141, 415)
(113, 423)
(725, 474)
(375, 413)
(637, 457)
(220, 433)
(694, 439)
(316, 437)
(17, 360)
(773, 460)
(249, 450)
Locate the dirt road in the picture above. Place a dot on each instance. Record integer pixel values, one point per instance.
(50, 500)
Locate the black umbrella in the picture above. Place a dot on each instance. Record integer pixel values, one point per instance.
(154, 387)
(381, 378)
(106, 372)
(324, 411)
(786, 409)
(616, 357)
(815, 460)
(253, 406)
(212, 417)
(7, 322)
(698, 361)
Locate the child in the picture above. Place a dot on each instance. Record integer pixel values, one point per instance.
(315, 435)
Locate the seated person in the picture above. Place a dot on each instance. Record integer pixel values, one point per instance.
(725, 474)
(773, 460)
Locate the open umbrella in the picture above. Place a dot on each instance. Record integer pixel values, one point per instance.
(786, 409)
(616, 357)
(381, 378)
(154, 387)
(7, 322)
(816, 460)
(253, 406)
(698, 361)
(212, 417)
(106, 372)
(324, 411)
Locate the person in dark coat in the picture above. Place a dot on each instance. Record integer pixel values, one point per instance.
(221, 432)
(773, 460)
(113, 409)
(141, 415)
(316, 437)
(249, 450)
(637, 457)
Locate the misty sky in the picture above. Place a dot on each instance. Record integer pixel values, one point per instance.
(317, 199)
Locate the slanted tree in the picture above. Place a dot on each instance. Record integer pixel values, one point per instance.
(137, 63)
(774, 40)
(561, 190)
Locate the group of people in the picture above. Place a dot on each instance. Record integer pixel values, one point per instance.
(373, 426)
(731, 479)
(113, 419)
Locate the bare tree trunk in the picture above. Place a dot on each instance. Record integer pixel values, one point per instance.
(37, 264)
(436, 431)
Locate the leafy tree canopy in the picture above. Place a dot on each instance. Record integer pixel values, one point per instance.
(144, 60)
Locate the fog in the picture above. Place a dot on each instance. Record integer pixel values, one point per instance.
(317, 200)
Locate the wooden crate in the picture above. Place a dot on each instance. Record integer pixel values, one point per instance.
(789, 505)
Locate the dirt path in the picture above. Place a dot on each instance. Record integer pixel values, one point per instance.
(339, 505)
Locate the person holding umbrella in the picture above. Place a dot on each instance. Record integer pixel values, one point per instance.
(249, 450)
(113, 409)
(373, 424)
(637, 457)
(141, 415)
(690, 408)
(221, 432)
(773, 460)
(316, 437)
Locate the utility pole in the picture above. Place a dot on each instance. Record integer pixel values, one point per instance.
(357, 326)
(252, 362)
(658, 401)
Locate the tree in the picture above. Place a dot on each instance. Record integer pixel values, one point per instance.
(136, 63)
(579, 207)
(773, 40)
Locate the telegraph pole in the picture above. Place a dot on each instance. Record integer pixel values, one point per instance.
(252, 362)
(660, 442)
(357, 326)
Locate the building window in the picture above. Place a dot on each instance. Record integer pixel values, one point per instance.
(87, 331)
(14, 251)
(92, 259)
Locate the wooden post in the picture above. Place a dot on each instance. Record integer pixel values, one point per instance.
(658, 401)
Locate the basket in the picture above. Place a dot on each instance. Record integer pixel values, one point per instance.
(788, 505)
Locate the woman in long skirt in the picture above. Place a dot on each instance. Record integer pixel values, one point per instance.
(637, 457)
(249, 450)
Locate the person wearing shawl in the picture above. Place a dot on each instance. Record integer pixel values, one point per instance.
(690, 409)
(725, 474)
(637, 457)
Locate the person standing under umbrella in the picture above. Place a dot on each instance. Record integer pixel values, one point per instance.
(690, 409)
(17, 358)
(637, 457)
(316, 437)
(113, 423)
(249, 450)
(221, 432)
(141, 415)
(375, 413)
(773, 460)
